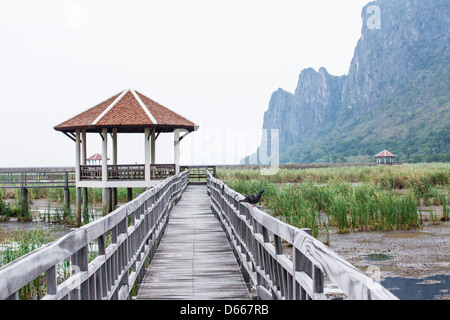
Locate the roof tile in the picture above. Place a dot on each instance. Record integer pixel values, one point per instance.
(384, 153)
(128, 111)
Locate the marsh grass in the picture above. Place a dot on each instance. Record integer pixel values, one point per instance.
(59, 214)
(393, 177)
(57, 194)
(349, 208)
(349, 199)
(17, 244)
(20, 242)
(445, 214)
(62, 213)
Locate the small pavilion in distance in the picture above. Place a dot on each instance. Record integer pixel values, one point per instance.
(385, 158)
(95, 159)
(126, 112)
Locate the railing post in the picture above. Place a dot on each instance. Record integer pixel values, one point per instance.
(66, 190)
(302, 264)
(103, 275)
(78, 205)
(279, 274)
(114, 264)
(317, 278)
(80, 264)
(123, 260)
(24, 200)
(51, 281)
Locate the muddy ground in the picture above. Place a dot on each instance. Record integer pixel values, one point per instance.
(414, 253)
(419, 253)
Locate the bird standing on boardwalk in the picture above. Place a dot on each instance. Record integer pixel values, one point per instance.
(253, 199)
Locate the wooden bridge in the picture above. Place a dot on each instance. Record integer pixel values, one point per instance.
(14, 178)
(184, 241)
(194, 259)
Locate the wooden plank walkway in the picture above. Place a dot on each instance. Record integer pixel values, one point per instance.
(194, 259)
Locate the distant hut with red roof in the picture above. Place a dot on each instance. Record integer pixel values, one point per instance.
(95, 159)
(385, 158)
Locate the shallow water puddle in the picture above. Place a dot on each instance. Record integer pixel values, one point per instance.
(431, 288)
(378, 257)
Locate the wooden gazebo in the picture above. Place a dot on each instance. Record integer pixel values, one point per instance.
(125, 112)
(385, 158)
(95, 159)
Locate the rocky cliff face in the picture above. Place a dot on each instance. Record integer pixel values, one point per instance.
(397, 87)
(410, 35)
(311, 108)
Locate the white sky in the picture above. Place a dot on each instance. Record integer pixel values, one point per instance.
(214, 62)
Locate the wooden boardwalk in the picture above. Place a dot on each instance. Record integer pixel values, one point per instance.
(194, 259)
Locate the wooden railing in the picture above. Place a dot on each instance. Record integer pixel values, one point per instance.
(90, 172)
(161, 171)
(53, 178)
(118, 244)
(390, 164)
(37, 178)
(127, 172)
(261, 242)
(115, 172)
(198, 173)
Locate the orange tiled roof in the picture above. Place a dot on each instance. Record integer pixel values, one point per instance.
(384, 153)
(128, 111)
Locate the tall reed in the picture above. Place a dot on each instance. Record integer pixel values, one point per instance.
(351, 199)
(445, 214)
(18, 244)
(393, 177)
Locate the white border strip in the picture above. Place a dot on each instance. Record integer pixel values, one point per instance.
(152, 118)
(110, 107)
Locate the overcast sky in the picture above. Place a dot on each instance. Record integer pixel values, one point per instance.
(214, 62)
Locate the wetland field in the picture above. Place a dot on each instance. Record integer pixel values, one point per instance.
(391, 220)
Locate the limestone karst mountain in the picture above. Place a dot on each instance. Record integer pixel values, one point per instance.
(395, 95)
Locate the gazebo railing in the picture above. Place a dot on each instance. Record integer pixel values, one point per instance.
(126, 172)
(161, 171)
(90, 172)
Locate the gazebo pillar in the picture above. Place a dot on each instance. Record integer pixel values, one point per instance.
(147, 154)
(153, 146)
(176, 150)
(83, 162)
(77, 173)
(114, 161)
(105, 191)
(83, 147)
(105, 156)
